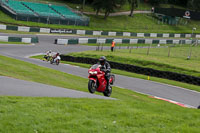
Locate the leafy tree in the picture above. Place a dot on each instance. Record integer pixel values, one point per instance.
(97, 5)
(133, 4)
(83, 5)
(194, 4)
(107, 5)
(155, 2)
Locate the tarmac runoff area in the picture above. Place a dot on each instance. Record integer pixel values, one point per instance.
(16, 87)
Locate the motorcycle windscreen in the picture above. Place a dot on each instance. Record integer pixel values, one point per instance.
(95, 66)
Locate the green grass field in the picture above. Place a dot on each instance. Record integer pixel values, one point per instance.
(132, 112)
(157, 58)
(139, 23)
(26, 71)
(1, 42)
(17, 32)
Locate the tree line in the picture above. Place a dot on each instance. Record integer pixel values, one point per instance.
(109, 6)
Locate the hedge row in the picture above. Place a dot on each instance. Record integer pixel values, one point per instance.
(139, 70)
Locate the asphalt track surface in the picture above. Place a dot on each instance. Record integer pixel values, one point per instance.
(16, 87)
(181, 95)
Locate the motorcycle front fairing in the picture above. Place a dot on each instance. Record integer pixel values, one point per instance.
(101, 82)
(98, 77)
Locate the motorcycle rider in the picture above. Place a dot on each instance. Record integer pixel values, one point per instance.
(105, 66)
(48, 55)
(56, 56)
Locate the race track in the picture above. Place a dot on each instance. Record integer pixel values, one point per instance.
(188, 97)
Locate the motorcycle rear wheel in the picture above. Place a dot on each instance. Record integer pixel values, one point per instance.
(91, 86)
(107, 93)
(113, 79)
(57, 62)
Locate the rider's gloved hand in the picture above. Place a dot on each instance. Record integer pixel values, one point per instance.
(103, 69)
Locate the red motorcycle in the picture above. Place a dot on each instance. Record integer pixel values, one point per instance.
(97, 81)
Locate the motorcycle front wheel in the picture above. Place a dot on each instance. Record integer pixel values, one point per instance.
(51, 61)
(91, 86)
(107, 93)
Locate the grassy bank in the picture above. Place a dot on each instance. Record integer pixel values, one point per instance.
(129, 74)
(1, 42)
(139, 23)
(26, 71)
(132, 112)
(157, 59)
(17, 32)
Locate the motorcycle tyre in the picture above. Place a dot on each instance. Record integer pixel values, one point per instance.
(113, 77)
(108, 93)
(90, 88)
(51, 61)
(57, 62)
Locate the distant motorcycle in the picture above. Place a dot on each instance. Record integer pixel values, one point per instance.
(55, 60)
(97, 81)
(47, 58)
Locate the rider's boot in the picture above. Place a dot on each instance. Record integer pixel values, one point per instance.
(108, 87)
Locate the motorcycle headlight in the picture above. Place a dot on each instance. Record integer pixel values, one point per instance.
(95, 72)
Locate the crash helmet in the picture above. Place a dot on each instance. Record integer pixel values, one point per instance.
(102, 60)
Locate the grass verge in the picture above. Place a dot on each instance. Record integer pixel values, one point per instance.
(1, 42)
(132, 112)
(26, 71)
(17, 32)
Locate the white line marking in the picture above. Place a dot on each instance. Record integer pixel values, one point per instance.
(174, 86)
(174, 102)
(165, 84)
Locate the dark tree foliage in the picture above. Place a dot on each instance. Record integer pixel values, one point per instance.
(175, 2)
(77, 1)
(107, 5)
(178, 2)
(97, 5)
(194, 5)
(155, 2)
(133, 4)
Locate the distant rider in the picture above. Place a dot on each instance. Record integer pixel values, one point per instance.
(56, 56)
(105, 66)
(48, 55)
